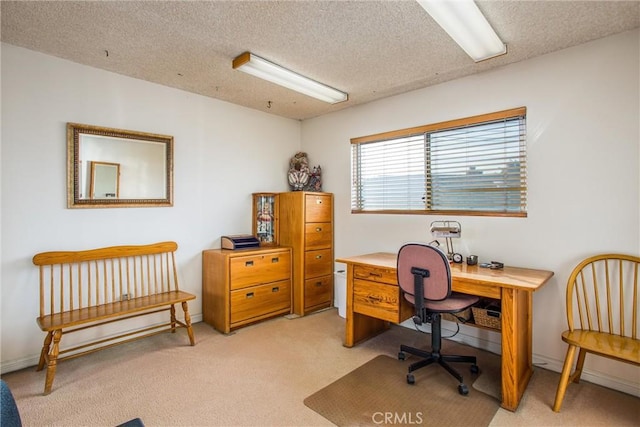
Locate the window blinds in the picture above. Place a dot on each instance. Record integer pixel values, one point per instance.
(470, 166)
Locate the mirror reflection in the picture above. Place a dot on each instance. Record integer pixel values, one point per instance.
(105, 180)
(118, 168)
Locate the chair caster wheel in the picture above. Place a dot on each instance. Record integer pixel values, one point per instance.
(401, 356)
(475, 369)
(411, 379)
(463, 390)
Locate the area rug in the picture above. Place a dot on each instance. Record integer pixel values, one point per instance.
(377, 394)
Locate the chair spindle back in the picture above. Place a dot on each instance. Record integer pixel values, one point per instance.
(602, 295)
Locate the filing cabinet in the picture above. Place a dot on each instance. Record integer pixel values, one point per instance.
(306, 225)
(240, 287)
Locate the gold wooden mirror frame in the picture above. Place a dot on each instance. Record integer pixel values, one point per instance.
(145, 175)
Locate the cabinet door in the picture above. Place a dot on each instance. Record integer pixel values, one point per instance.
(265, 221)
(260, 268)
(318, 208)
(318, 235)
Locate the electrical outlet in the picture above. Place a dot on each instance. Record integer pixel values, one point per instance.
(125, 297)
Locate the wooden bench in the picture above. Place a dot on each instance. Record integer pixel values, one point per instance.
(83, 289)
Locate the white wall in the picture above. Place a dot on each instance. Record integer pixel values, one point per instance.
(583, 138)
(223, 153)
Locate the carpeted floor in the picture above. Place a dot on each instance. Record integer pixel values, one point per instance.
(259, 376)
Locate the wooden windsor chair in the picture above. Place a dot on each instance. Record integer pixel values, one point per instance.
(602, 314)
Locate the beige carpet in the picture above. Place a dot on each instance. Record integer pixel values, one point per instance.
(259, 376)
(377, 393)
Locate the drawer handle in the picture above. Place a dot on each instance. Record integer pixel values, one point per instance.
(318, 284)
(318, 256)
(274, 260)
(248, 264)
(275, 289)
(249, 295)
(318, 229)
(319, 201)
(374, 298)
(375, 274)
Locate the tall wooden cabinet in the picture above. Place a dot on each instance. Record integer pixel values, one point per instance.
(306, 225)
(240, 287)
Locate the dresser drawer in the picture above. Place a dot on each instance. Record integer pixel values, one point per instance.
(377, 300)
(255, 269)
(318, 291)
(376, 274)
(317, 208)
(318, 235)
(259, 300)
(318, 263)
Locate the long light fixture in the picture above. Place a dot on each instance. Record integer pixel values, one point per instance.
(467, 26)
(267, 70)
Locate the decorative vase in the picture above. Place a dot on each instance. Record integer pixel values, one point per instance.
(298, 179)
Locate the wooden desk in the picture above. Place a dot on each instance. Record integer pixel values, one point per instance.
(374, 299)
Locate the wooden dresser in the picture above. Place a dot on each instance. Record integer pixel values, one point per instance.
(245, 286)
(306, 224)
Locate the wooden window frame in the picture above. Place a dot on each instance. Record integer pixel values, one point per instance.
(505, 115)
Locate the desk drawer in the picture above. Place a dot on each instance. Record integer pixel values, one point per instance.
(259, 300)
(376, 274)
(377, 300)
(255, 269)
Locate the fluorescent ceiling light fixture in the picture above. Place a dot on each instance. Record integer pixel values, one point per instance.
(467, 26)
(267, 70)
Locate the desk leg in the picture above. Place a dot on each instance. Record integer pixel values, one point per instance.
(517, 364)
(358, 326)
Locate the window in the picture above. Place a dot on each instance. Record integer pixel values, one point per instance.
(472, 166)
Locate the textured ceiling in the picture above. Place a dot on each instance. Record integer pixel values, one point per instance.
(370, 49)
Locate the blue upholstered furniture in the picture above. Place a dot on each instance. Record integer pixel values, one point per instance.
(10, 417)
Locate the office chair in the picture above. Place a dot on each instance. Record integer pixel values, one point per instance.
(424, 275)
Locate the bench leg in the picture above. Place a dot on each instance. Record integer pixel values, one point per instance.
(187, 321)
(45, 350)
(52, 361)
(564, 377)
(173, 318)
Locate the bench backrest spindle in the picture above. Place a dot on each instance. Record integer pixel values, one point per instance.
(76, 280)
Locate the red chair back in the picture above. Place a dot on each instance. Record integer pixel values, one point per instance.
(437, 286)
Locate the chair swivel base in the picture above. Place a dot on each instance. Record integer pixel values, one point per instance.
(429, 357)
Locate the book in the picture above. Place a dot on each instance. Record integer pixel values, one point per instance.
(239, 241)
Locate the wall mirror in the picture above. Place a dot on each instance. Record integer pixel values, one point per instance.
(118, 168)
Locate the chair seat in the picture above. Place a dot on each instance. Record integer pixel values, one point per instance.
(606, 344)
(454, 303)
